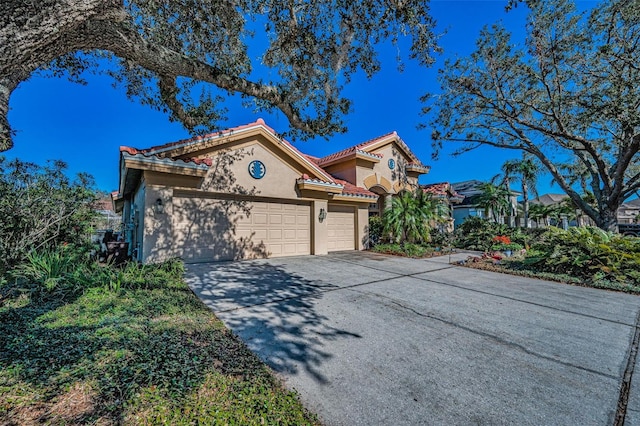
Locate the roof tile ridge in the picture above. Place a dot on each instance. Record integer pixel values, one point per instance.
(218, 133)
(135, 151)
(356, 147)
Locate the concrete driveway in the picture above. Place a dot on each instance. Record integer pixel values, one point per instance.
(376, 340)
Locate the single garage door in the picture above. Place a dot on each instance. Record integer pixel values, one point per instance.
(213, 229)
(341, 228)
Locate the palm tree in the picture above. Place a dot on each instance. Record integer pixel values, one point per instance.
(526, 171)
(494, 198)
(563, 210)
(540, 212)
(410, 215)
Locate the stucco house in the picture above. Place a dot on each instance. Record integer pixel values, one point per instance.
(626, 213)
(471, 190)
(629, 212)
(444, 192)
(246, 193)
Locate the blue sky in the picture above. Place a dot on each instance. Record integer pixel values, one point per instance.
(85, 125)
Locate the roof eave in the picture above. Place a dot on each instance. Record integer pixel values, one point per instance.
(315, 185)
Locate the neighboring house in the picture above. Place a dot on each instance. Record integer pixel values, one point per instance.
(471, 190)
(626, 214)
(107, 217)
(629, 212)
(246, 193)
(445, 193)
(549, 199)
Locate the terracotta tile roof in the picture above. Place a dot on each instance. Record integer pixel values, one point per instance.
(347, 152)
(103, 203)
(197, 139)
(353, 149)
(442, 188)
(311, 158)
(348, 188)
(259, 122)
(315, 162)
(351, 189)
(143, 152)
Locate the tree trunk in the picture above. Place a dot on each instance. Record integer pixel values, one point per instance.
(608, 219)
(525, 202)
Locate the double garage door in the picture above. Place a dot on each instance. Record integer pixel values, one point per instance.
(215, 229)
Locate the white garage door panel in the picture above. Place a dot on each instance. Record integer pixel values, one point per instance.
(207, 229)
(340, 228)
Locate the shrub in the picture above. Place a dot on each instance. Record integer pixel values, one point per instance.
(504, 243)
(407, 249)
(41, 208)
(441, 238)
(588, 253)
(67, 270)
(375, 230)
(476, 233)
(410, 215)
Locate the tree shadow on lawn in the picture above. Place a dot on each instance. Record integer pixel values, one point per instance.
(272, 310)
(114, 346)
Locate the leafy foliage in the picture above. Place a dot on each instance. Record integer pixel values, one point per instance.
(293, 56)
(375, 230)
(60, 268)
(410, 250)
(504, 243)
(588, 253)
(567, 96)
(440, 238)
(146, 352)
(41, 208)
(494, 199)
(408, 219)
(476, 233)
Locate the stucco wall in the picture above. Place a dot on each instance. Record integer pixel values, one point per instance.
(137, 211)
(395, 175)
(362, 227)
(345, 171)
(230, 171)
(158, 228)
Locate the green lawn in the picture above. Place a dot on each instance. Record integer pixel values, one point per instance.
(130, 352)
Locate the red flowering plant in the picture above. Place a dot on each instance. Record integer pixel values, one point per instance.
(503, 243)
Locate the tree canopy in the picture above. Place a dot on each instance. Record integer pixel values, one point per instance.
(162, 50)
(569, 96)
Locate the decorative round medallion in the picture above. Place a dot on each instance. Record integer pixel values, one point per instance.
(257, 169)
(392, 163)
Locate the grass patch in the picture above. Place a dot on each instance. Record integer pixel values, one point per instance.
(137, 347)
(409, 250)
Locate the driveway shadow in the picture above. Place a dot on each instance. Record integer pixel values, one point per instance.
(272, 310)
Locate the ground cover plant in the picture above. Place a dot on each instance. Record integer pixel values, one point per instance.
(580, 255)
(409, 250)
(88, 344)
